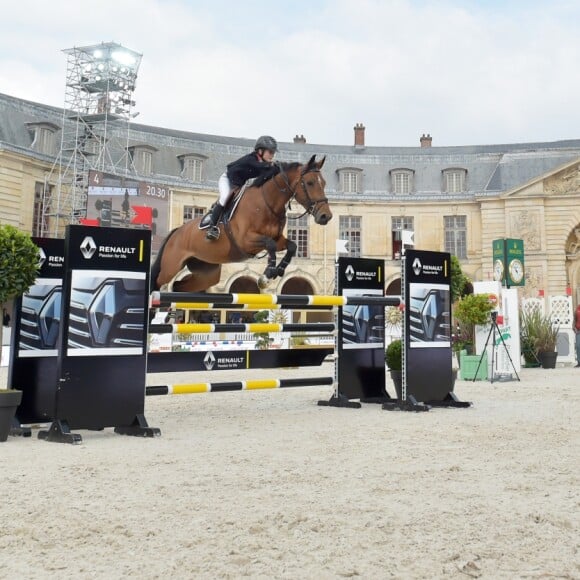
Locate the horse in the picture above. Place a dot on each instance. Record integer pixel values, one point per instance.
(188, 262)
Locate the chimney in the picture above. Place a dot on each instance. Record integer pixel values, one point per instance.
(299, 139)
(426, 140)
(359, 135)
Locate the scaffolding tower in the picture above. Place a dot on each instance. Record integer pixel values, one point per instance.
(98, 109)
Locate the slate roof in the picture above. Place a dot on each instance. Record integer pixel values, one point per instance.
(490, 168)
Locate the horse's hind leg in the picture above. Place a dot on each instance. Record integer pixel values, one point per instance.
(202, 277)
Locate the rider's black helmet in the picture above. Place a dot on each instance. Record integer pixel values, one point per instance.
(266, 142)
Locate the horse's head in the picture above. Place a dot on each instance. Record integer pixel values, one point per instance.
(309, 191)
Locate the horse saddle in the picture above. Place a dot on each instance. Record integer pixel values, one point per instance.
(230, 208)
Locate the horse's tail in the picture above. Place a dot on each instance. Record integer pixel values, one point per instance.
(156, 267)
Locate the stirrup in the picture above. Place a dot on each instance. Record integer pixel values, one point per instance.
(213, 233)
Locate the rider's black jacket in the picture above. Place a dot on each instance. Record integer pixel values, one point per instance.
(247, 167)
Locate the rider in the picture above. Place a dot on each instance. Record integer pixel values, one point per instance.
(259, 163)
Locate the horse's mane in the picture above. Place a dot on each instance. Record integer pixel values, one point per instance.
(281, 165)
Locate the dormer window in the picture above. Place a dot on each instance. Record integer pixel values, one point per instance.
(454, 180)
(350, 180)
(402, 181)
(192, 166)
(44, 137)
(142, 158)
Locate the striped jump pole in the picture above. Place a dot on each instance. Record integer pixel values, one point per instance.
(181, 299)
(192, 328)
(217, 306)
(250, 385)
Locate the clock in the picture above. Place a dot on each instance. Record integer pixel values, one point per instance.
(498, 270)
(516, 269)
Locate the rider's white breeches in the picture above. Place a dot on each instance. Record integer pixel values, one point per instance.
(225, 189)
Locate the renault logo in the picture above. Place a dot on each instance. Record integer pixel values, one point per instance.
(209, 361)
(41, 258)
(417, 266)
(88, 247)
(349, 273)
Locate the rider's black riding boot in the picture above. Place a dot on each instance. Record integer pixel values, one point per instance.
(216, 212)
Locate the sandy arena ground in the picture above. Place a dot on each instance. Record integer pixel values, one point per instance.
(269, 485)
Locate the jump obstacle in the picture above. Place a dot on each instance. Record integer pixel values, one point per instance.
(94, 388)
(183, 301)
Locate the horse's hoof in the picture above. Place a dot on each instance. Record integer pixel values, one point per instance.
(280, 272)
(263, 282)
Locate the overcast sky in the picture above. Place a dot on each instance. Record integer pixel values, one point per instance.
(467, 72)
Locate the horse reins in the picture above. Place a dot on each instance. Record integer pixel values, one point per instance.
(311, 203)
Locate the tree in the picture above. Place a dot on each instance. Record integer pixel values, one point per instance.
(18, 265)
(459, 280)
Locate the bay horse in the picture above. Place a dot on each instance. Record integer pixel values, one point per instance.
(188, 262)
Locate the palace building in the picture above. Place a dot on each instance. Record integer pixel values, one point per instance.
(455, 199)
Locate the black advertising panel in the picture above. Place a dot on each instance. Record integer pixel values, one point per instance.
(427, 324)
(361, 347)
(102, 360)
(34, 348)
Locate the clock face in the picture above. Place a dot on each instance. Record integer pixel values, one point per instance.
(498, 270)
(516, 271)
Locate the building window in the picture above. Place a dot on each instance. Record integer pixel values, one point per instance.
(350, 180)
(454, 180)
(142, 158)
(349, 230)
(298, 233)
(456, 235)
(191, 167)
(402, 181)
(191, 212)
(44, 135)
(40, 210)
(398, 224)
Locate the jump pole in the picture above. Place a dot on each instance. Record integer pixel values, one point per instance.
(193, 328)
(250, 385)
(175, 299)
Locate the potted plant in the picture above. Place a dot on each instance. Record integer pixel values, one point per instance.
(263, 339)
(471, 311)
(19, 267)
(546, 342)
(394, 361)
(529, 329)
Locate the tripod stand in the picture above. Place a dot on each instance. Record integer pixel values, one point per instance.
(492, 330)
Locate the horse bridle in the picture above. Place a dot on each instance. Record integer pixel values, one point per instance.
(311, 202)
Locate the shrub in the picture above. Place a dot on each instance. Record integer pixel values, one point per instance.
(18, 262)
(394, 355)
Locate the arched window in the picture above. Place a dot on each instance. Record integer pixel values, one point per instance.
(192, 166)
(142, 158)
(402, 181)
(350, 179)
(454, 180)
(43, 137)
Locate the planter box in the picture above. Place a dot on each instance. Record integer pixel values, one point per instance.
(9, 401)
(468, 366)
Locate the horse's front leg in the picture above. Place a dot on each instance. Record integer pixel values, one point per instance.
(271, 271)
(291, 248)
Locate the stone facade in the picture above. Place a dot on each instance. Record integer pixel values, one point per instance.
(527, 191)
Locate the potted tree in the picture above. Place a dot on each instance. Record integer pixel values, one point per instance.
(546, 342)
(19, 267)
(529, 329)
(394, 361)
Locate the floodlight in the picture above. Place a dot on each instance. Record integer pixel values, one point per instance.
(123, 57)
